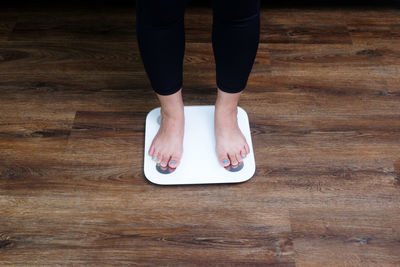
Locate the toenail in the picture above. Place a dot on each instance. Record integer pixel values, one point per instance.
(225, 161)
(173, 162)
(239, 159)
(234, 162)
(158, 160)
(163, 163)
(152, 157)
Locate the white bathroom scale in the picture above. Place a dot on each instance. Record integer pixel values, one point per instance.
(199, 163)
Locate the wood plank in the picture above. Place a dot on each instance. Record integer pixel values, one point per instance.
(6, 26)
(346, 236)
(75, 27)
(69, 57)
(304, 34)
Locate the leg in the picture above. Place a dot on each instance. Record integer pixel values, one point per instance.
(235, 36)
(161, 41)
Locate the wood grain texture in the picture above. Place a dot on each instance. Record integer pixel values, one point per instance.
(323, 101)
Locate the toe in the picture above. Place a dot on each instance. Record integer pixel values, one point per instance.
(164, 160)
(243, 153)
(239, 157)
(223, 159)
(225, 162)
(246, 146)
(157, 158)
(233, 159)
(154, 155)
(151, 150)
(174, 162)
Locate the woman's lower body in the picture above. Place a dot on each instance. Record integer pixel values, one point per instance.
(161, 40)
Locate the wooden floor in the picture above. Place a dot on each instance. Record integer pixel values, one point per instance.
(324, 107)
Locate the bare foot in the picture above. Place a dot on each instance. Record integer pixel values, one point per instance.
(167, 146)
(231, 145)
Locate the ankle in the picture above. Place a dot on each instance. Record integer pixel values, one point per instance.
(226, 110)
(172, 105)
(225, 120)
(227, 105)
(175, 113)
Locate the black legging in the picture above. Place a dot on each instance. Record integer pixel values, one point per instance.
(161, 40)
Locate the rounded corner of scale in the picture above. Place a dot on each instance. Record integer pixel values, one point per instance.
(242, 109)
(251, 175)
(152, 180)
(152, 111)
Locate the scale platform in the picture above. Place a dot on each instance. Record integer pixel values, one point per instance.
(199, 163)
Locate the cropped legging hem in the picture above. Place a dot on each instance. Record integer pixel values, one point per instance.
(231, 90)
(167, 90)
